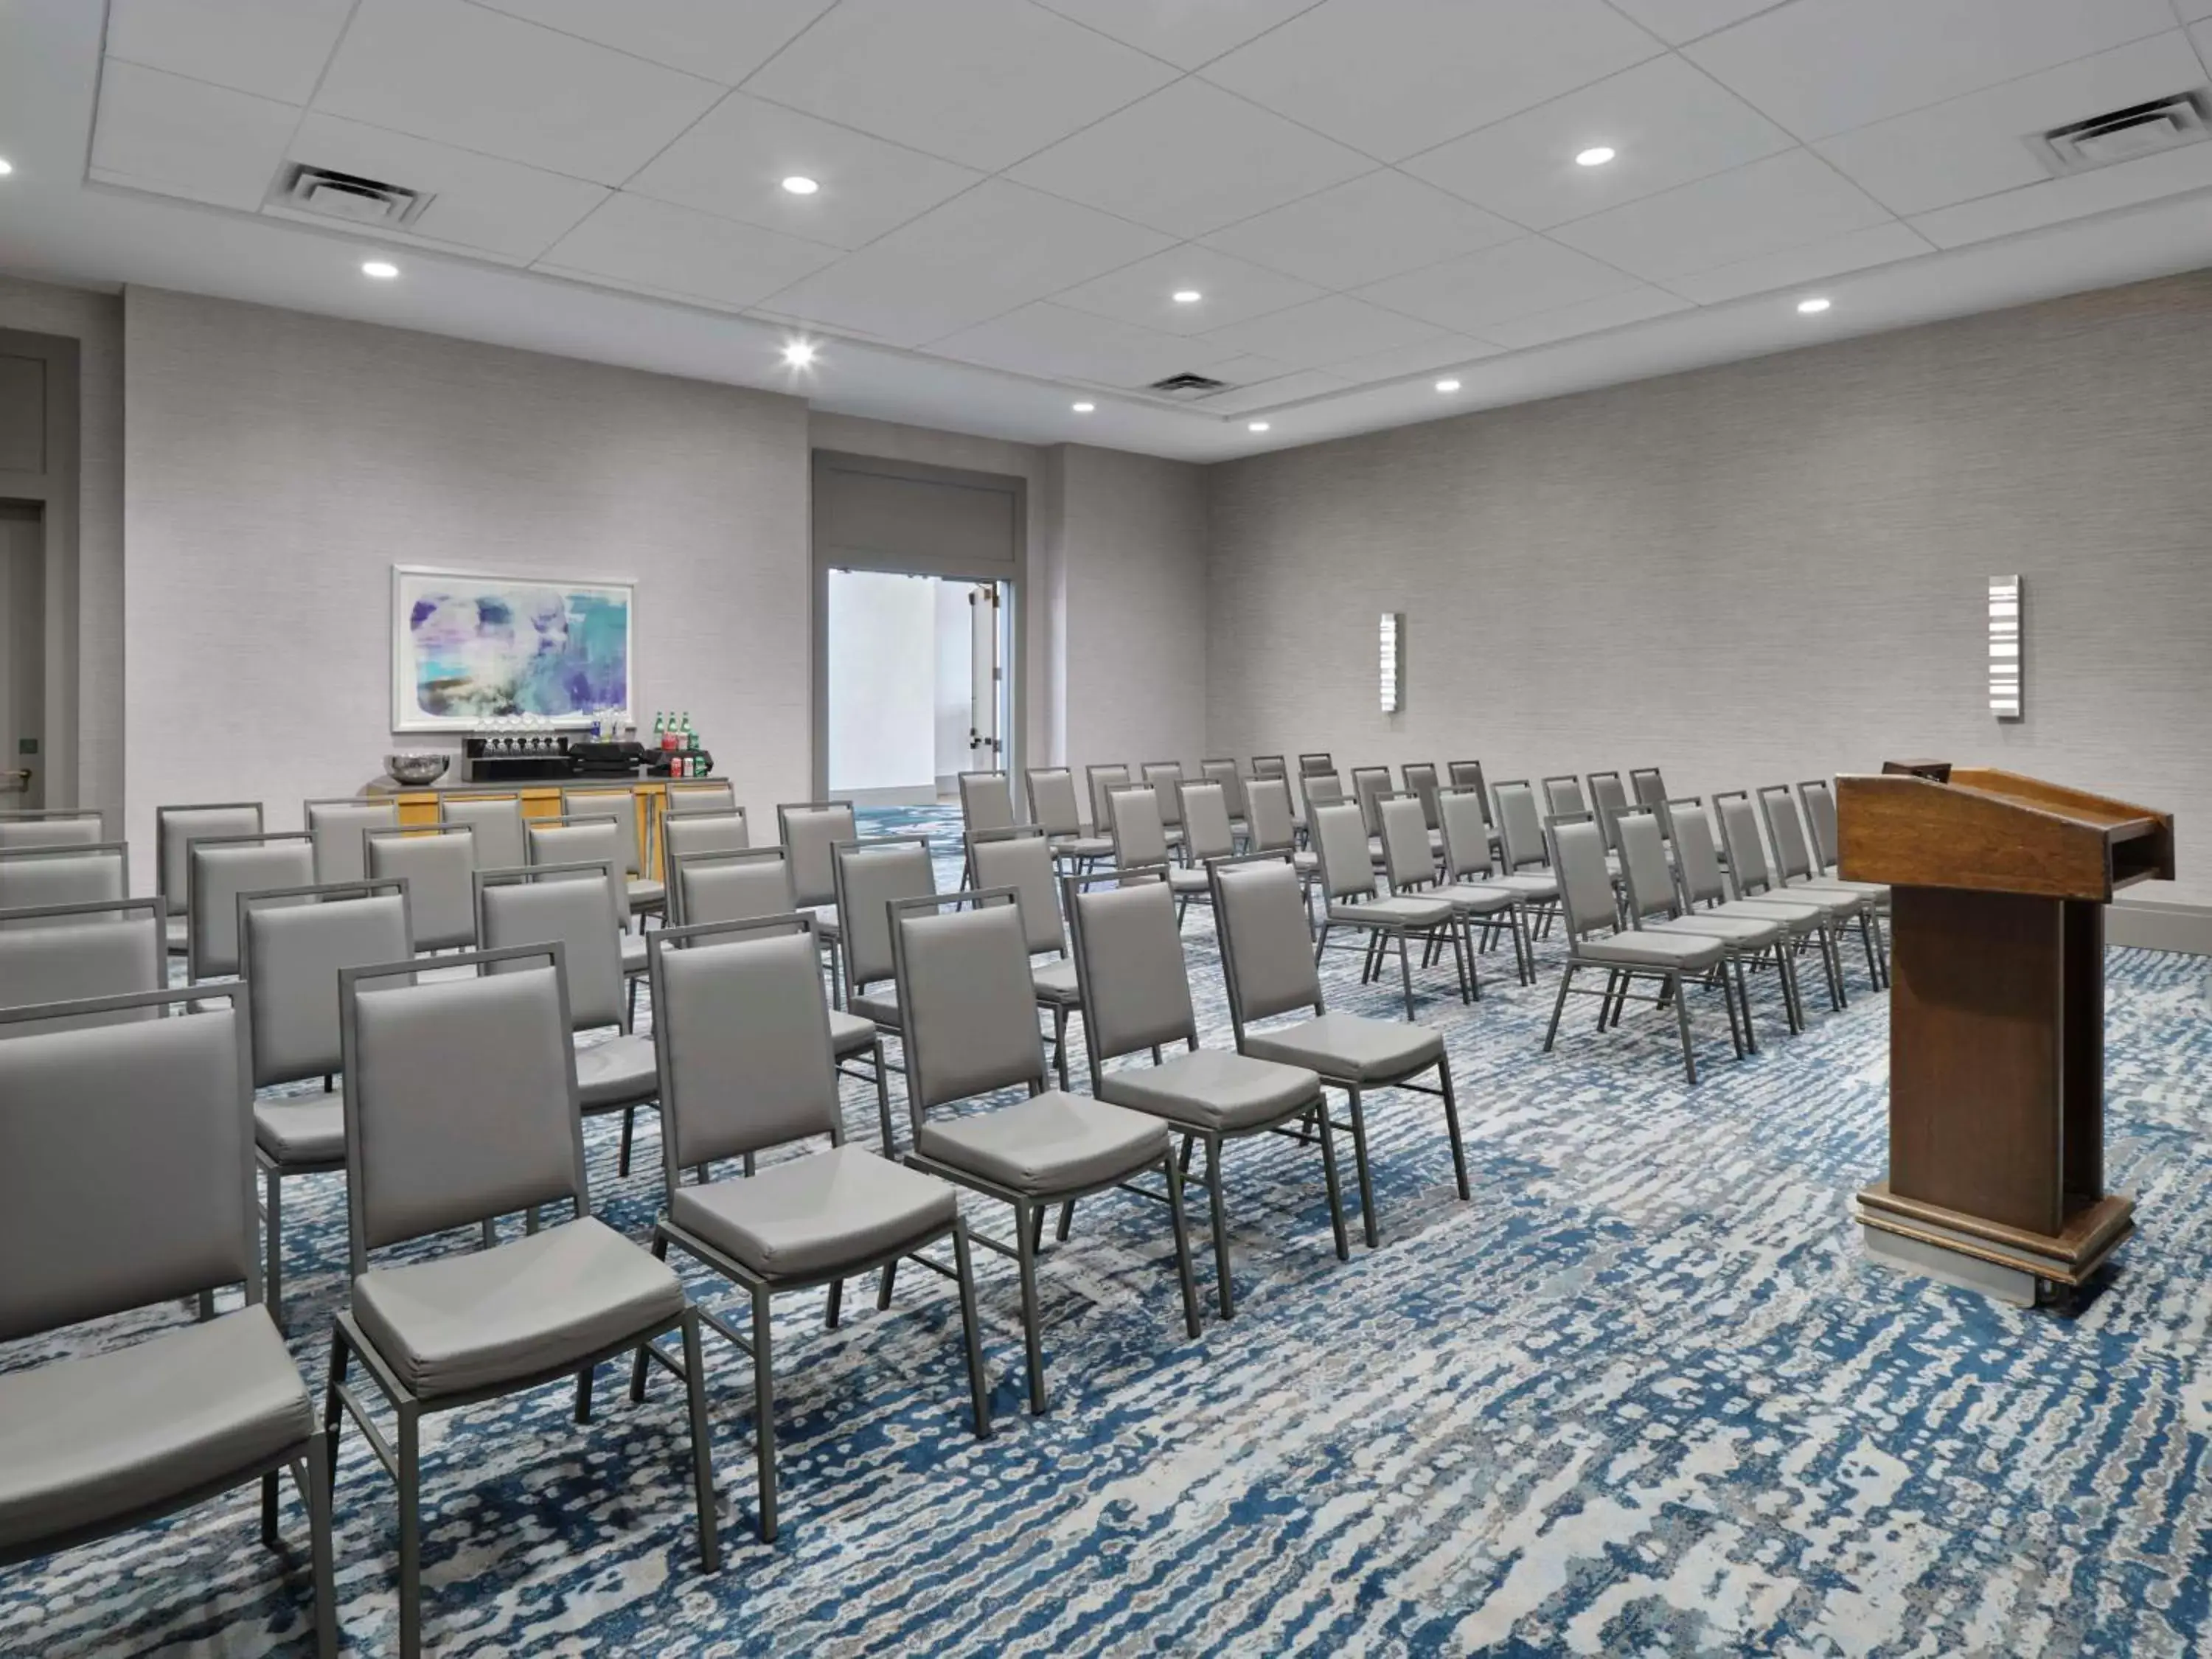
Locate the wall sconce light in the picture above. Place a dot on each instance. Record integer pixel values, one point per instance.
(1392, 651)
(2008, 667)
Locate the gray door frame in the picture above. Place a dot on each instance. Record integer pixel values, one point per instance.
(54, 487)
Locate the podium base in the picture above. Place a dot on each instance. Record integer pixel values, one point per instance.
(2005, 1263)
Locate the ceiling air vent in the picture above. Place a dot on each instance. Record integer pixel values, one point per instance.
(1189, 387)
(358, 201)
(2104, 141)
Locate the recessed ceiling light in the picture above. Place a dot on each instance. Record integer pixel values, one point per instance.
(798, 354)
(7, 167)
(1256, 426)
(1595, 156)
(799, 185)
(1812, 307)
(383, 269)
(1446, 385)
(1084, 409)
(1187, 296)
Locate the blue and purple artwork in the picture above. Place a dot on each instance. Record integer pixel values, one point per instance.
(469, 649)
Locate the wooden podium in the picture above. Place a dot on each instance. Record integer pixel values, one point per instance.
(1997, 1056)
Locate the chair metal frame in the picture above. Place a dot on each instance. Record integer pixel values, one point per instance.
(1384, 930)
(411, 831)
(972, 782)
(1776, 799)
(120, 850)
(307, 821)
(1804, 923)
(192, 963)
(1068, 842)
(178, 905)
(827, 931)
(840, 949)
(1667, 906)
(1270, 766)
(1455, 871)
(1058, 1009)
(1764, 887)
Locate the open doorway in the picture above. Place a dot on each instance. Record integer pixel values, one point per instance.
(918, 687)
(22, 655)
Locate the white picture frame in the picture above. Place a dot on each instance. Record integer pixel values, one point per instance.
(455, 672)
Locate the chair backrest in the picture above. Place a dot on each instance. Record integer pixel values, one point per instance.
(621, 806)
(1648, 786)
(1223, 772)
(1205, 828)
(1468, 774)
(497, 820)
(1133, 818)
(1747, 855)
(1269, 766)
(289, 955)
(59, 826)
(1406, 856)
(1465, 825)
(1649, 878)
(1695, 855)
(1053, 807)
(987, 800)
(716, 887)
(460, 1094)
(1577, 849)
(221, 867)
(75, 953)
(1347, 867)
(1021, 859)
(1267, 950)
(702, 831)
(966, 1004)
(336, 827)
(1520, 829)
(1165, 777)
(546, 904)
(38, 878)
(1267, 818)
(1607, 796)
(870, 876)
(1320, 789)
(809, 831)
(689, 795)
(1100, 779)
(1785, 828)
(128, 1174)
(1564, 797)
(1315, 760)
(1421, 782)
(175, 827)
(439, 862)
(741, 1027)
(573, 844)
(1129, 963)
(1369, 785)
(1819, 800)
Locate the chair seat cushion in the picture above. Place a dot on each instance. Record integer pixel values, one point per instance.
(1183, 881)
(1082, 847)
(1478, 898)
(1213, 1088)
(1651, 948)
(83, 1440)
(850, 1034)
(635, 950)
(1526, 887)
(1399, 910)
(308, 1130)
(879, 1006)
(1827, 899)
(1738, 931)
(177, 933)
(1049, 1143)
(1349, 1047)
(812, 1215)
(1055, 981)
(1305, 863)
(534, 1305)
(620, 1072)
(1792, 916)
(647, 894)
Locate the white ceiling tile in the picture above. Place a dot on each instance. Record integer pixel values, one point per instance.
(994, 247)
(1821, 67)
(1053, 343)
(983, 82)
(187, 138)
(1637, 305)
(1394, 76)
(1676, 21)
(1977, 145)
(733, 163)
(1363, 230)
(1326, 330)
(1273, 394)
(650, 246)
(1445, 351)
(275, 48)
(1512, 280)
(1779, 202)
(2071, 197)
(1189, 160)
(478, 79)
(1242, 369)
(1667, 122)
(1832, 255)
(1187, 35)
(1229, 290)
(478, 202)
(2192, 10)
(723, 41)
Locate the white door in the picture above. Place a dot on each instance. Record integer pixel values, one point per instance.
(986, 750)
(22, 656)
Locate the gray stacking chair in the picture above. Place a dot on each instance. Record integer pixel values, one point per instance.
(1564, 797)
(78, 952)
(175, 827)
(1352, 900)
(460, 1107)
(1468, 774)
(809, 832)
(968, 1031)
(1597, 940)
(439, 862)
(1798, 871)
(1208, 832)
(1608, 796)
(40, 878)
(1369, 785)
(536, 906)
(1422, 783)
(1270, 826)
(1652, 898)
(53, 826)
(746, 1067)
(1140, 842)
(593, 839)
(1021, 860)
(220, 868)
(1270, 766)
(1520, 844)
(1704, 887)
(1103, 780)
(1165, 778)
(1411, 867)
(1316, 760)
(871, 875)
(292, 943)
(1136, 997)
(986, 801)
(1054, 809)
(1470, 861)
(1261, 920)
(496, 817)
(1750, 873)
(689, 832)
(1820, 801)
(1223, 772)
(688, 795)
(1648, 786)
(96, 1445)
(643, 894)
(336, 826)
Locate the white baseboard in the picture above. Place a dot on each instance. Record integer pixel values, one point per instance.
(2151, 925)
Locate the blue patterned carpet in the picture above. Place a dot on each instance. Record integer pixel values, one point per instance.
(1643, 1395)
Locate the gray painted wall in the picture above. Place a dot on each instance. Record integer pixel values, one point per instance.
(1761, 572)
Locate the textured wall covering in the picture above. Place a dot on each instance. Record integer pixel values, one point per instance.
(279, 464)
(1764, 571)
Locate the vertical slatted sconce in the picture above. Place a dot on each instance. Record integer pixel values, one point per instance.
(1393, 649)
(2007, 668)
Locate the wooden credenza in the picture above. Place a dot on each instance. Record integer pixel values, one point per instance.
(546, 801)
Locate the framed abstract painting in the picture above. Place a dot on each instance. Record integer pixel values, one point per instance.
(468, 649)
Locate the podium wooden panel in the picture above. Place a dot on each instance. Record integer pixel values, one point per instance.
(1997, 1064)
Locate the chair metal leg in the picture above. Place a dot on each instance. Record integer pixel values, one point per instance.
(1559, 1006)
(1451, 1123)
(268, 1537)
(703, 1443)
(490, 1233)
(410, 1533)
(1321, 944)
(1682, 1019)
(1183, 1244)
(318, 1547)
(884, 1100)
(1320, 1115)
(584, 1394)
(1226, 1295)
(1190, 1144)
(884, 1287)
(979, 1393)
(1029, 1222)
(1060, 1042)
(638, 1366)
(764, 1415)
(1406, 973)
(272, 1272)
(1366, 1175)
(630, 1126)
(1067, 1220)
(333, 1412)
(836, 1301)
